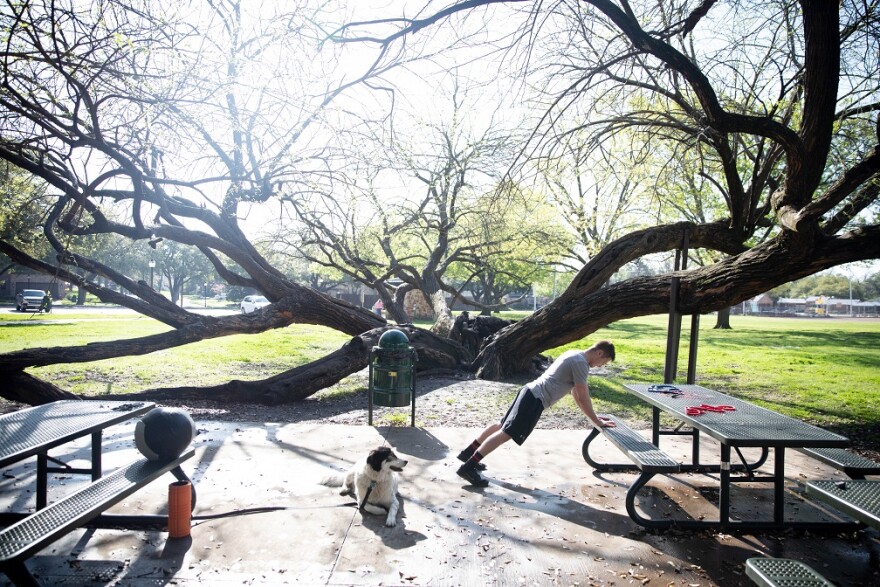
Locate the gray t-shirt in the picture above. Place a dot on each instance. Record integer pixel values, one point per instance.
(569, 368)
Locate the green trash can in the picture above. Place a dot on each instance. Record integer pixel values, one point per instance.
(392, 379)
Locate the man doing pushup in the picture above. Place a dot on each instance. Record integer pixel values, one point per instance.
(568, 373)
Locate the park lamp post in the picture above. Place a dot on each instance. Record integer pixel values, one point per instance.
(205, 292)
(152, 266)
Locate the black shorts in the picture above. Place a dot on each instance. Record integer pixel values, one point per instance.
(522, 416)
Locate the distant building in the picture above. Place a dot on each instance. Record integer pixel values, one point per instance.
(12, 283)
(811, 306)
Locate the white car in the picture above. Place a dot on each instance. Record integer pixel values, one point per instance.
(29, 299)
(253, 303)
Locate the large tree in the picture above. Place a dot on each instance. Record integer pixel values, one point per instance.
(187, 129)
(177, 123)
(765, 90)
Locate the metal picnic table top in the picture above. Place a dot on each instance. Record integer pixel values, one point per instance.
(35, 430)
(746, 425)
(735, 424)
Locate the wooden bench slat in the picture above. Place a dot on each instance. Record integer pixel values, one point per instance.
(784, 572)
(26, 537)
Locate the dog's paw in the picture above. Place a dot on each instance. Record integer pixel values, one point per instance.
(391, 522)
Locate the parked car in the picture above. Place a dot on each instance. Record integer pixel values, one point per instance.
(29, 299)
(253, 303)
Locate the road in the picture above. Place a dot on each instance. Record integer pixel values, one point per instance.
(61, 312)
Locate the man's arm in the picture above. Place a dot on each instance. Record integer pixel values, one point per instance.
(581, 394)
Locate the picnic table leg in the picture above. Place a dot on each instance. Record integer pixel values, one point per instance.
(631, 504)
(585, 452)
(724, 487)
(779, 484)
(42, 479)
(96, 455)
(655, 426)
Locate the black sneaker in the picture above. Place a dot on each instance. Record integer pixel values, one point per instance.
(472, 476)
(464, 455)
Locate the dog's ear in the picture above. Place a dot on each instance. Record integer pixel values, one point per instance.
(377, 456)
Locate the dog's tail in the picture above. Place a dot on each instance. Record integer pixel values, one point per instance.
(337, 480)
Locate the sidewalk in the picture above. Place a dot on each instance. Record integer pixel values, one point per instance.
(546, 519)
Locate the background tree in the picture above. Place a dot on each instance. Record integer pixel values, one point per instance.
(596, 190)
(415, 233)
(181, 266)
(522, 237)
(831, 285)
(180, 122)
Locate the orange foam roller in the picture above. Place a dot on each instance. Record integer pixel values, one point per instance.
(179, 509)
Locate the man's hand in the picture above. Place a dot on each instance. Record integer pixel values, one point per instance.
(606, 422)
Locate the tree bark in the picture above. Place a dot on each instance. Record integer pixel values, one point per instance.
(434, 354)
(583, 310)
(27, 389)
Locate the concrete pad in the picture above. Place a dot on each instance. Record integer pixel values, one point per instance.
(546, 519)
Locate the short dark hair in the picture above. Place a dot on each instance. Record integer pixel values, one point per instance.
(606, 346)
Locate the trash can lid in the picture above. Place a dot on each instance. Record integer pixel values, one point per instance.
(394, 340)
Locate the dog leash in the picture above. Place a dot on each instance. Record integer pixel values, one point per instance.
(369, 491)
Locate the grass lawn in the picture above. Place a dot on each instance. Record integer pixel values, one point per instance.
(825, 371)
(821, 370)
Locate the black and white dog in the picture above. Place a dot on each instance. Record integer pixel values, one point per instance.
(372, 481)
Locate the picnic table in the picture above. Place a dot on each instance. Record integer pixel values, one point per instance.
(33, 432)
(36, 430)
(735, 424)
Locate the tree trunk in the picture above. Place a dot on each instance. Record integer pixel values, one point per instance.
(723, 320)
(584, 308)
(394, 306)
(433, 354)
(27, 389)
(443, 320)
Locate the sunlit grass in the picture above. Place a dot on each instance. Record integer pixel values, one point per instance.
(823, 370)
(207, 362)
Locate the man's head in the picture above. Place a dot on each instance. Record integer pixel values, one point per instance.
(600, 353)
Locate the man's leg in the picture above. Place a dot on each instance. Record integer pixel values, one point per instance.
(491, 444)
(467, 453)
(517, 424)
(470, 471)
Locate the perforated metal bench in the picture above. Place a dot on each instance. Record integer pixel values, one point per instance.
(28, 536)
(858, 498)
(853, 465)
(645, 457)
(784, 572)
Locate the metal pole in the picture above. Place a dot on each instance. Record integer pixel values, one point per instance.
(370, 392)
(692, 351)
(673, 332)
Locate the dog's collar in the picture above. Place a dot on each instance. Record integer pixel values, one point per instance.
(367, 495)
